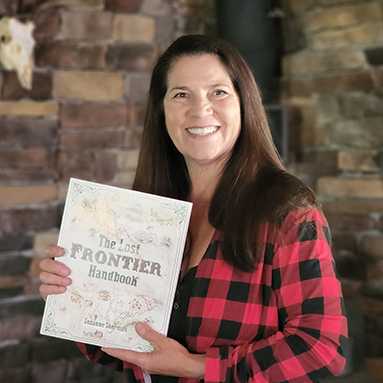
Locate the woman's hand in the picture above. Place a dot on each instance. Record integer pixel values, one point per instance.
(54, 276)
(168, 357)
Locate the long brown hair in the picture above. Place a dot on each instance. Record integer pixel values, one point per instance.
(254, 186)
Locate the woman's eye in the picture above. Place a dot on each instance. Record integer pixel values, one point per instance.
(180, 95)
(219, 92)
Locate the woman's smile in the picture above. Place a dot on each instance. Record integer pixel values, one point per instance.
(202, 131)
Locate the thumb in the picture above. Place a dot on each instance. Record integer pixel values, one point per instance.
(147, 333)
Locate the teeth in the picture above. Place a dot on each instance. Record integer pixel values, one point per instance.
(203, 131)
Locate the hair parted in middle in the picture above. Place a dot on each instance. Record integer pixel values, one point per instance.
(253, 187)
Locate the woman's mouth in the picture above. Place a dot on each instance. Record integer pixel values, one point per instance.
(203, 131)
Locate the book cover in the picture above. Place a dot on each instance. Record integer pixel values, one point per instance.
(124, 249)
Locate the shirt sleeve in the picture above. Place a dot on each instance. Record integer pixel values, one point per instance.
(310, 313)
(94, 354)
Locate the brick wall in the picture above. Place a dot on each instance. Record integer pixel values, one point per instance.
(83, 118)
(333, 78)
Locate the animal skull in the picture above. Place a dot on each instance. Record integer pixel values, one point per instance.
(16, 48)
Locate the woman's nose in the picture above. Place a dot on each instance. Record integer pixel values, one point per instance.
(201, 107)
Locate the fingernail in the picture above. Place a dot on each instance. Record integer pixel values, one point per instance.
(141, 327)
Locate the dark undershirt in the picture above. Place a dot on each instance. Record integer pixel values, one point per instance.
(177, 325)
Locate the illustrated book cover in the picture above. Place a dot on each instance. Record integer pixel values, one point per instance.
(124, 249)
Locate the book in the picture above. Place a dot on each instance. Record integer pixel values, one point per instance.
(124, 249)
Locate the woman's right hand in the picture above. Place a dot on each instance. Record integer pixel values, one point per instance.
(54, 275)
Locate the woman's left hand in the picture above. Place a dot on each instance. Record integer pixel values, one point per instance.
(168, 357)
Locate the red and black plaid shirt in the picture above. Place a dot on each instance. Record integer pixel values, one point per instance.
(281, 323)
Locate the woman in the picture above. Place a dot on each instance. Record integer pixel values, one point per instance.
(258, 299)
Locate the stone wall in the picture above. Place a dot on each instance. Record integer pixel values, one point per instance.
(333, 78)
(84, 115)
(83, 118)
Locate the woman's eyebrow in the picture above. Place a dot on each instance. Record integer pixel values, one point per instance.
(178, 88)
(210, 86)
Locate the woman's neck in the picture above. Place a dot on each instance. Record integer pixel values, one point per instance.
(204, 181)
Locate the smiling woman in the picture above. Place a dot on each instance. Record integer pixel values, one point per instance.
(257, 299)
(202, 111)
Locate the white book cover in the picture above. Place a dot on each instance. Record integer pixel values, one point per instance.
(124, 249)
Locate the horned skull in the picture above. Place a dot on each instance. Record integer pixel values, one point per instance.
(16, 48)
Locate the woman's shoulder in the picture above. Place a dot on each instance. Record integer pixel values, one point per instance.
(304, 225)
(281, 193)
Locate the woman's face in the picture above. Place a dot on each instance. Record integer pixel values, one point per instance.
(202, 110)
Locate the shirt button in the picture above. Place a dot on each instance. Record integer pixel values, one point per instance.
(176, 306)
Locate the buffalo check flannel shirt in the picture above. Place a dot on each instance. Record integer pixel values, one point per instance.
(284, 322)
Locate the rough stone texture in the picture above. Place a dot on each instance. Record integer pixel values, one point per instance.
(93, 115)
(365, 133)
(28, 108)
(28, 219)
(16, 375)
(350, 222)
(305, 62)
(350, 288)
(374, 272)
(14, 355)
(88, 86)
(27, 175)
(130, 6)
(106, 167)
(47, 23)
(15, 241)
(99, 166)
(13, 265)
(126, 177)
(132, 138)
(164, 30)
(361, 34)
(336, 17)
(41, 87)
(138, 110)
(35, 269)
(131, 57)
(372, 245)
(22, 328)
(302, 126)
(352, 160)
(33, 306)
(358, 104)
(48, 372)
(62, 54)
(157, 7)
(374, 368)
(297, 87)
(348, 82)
(22, 195)
(137, 86)
(357, 206)
(127, 159)
(28, 158)
(133, 29)
(337, 66)
(343, 241)
(56, 350)
(99, 139)
(31, 132)
(350, 266)
(8, 7)
(87, 25)
(351, 187)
